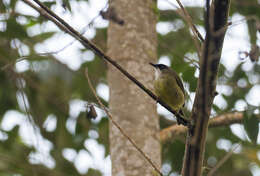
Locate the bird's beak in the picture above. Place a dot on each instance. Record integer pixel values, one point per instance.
(154, 65)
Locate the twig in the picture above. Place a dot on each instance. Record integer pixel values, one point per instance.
(240, 21)
(118, 127)
(24, 57)
(30, 118)
(61, 49)
(26, 108)
(85, 42)
(175, 131)
(192, 61)
(82, 33)
(53, 101)
(189, 20)
(24, 103)
(223, 160)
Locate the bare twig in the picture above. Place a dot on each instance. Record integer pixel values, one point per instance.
(189, 20)
(29, 115)
(175, 131)
(25, 104)
(24, 57)
(26, 108)
(194, 62)
(193, 28)
(172, 132)
(35, 86)
(59, 50)
(82, 33)
(118, 127)
(222, 161)
(85, 42)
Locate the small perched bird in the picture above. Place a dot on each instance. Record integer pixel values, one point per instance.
(168, 87)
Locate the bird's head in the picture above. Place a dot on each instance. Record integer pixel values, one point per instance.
(159, 68)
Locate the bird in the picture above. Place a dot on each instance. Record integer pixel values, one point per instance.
(168, 87)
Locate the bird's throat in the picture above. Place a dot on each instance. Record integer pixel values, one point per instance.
(157, 74)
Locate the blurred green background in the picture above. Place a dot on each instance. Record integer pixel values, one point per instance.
(44, 93)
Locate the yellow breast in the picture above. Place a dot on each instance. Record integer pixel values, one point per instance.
(167, 89)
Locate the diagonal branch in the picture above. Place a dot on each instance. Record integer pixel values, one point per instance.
(223, 160)
(46, 12)
(119, 128)
(189, 20)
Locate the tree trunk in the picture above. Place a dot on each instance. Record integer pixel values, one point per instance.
(133, 45)
(215, 24)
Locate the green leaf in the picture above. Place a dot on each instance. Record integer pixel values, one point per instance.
(49, 3)
(94, 172)
(13, 3)
(12, 137)
(66, 4)
(43, 36)
(14, 30)
(2, 7)
(251, 124)
(102, 128)
(31, 21)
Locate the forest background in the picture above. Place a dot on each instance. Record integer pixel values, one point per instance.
(44, 93)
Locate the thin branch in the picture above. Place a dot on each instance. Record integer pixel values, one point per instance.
(24, 57)
(172, 132)
(20, 87)
(175, 131)
(29, 115)
(118, 127)
(193, 28)
(31, 83)
(240, 21)
(57, 51)
(85, 42)
(222, 161)
(188, 18)
(194, 62)
(197, 45)
(226, 119)
(82, 33)
(26, 108)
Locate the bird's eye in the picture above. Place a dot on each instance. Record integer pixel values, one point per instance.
(161, 66)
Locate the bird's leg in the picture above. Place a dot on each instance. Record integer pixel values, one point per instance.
(179, 120)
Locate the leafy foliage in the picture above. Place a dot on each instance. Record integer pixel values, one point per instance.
(251, 124)
(50, 86)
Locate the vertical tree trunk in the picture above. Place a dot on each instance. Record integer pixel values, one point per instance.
(133, 45)
(215, 24)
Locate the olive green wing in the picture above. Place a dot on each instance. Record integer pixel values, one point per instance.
(179, 82)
